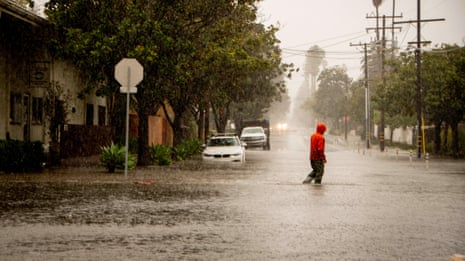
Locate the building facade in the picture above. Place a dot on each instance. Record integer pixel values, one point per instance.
(34, 87)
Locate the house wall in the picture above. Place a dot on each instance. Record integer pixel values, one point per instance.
(160, 131)
(67, 77)
(23, 96)
(399, 135)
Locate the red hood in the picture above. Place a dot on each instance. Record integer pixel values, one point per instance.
(321, 128)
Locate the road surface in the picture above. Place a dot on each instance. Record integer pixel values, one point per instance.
(371, 206)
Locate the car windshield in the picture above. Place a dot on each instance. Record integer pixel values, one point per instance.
(223, 142)
(252, 130)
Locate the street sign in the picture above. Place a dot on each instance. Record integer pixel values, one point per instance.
(129, 72)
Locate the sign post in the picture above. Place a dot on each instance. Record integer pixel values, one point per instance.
(128, 72)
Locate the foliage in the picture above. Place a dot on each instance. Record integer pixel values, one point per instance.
(21, 156)
(187, 148)
(356, 105)
(443, 88)
(160, 154)
(114, 157)
(330, 101)
(442, 95)
(195, 54)
(400, 92)
(251, 77)
(133, 143)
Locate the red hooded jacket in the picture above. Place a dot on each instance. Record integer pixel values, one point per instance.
(317, 143)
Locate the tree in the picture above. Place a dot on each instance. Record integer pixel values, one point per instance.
(193, 52)
(112, 30)
(356, 105)
(248, 75)
(330, 100)
(399, 92)
(444, 91)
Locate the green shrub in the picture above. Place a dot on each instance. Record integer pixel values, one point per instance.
(21, 156)
(114, 157)
(133, 143)
(187, 148)
(160, 154)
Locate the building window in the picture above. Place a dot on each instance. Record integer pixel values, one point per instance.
(90, 114)
(16, 108)
(102, 112)
(37, 110)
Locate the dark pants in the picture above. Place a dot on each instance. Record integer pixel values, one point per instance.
(318, 167)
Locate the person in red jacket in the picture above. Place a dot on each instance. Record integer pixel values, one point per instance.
(317, 155)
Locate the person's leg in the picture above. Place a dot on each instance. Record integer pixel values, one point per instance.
(319, 171)
(308, 179)
(311, 175)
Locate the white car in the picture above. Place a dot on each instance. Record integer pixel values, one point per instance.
(254, 137)
(225, 149)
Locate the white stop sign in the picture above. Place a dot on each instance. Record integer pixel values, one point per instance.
(129, 72)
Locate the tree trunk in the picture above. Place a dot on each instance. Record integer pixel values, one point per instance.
(117, 114)
(201, 124)
(221, 114)
(437, 138)
(144, 109)
(143, 155)
(177, 131)
(391, 135)
(455, 139)
(446, 137)
(207, 124)
(176, 122)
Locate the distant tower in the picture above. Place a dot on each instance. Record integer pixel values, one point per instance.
(314, 59)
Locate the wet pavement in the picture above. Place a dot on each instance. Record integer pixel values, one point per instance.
(371, 206)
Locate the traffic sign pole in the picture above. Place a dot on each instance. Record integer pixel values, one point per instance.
(130, 72)
(127, 124)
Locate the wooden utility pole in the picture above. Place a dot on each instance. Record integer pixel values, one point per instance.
(380, 52)
(419, 96)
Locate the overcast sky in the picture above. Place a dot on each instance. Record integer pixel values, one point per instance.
(334, 24)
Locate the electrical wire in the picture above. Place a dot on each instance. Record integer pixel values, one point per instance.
(328, 39)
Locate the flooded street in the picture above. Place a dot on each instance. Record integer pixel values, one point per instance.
(369, 207)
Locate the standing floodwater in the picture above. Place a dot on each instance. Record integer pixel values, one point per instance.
(370, 206)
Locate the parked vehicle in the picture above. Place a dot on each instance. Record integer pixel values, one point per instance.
(264, 124)
(226, 148)
(254, 137)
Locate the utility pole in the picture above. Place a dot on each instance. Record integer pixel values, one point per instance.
(367, 96)
(393, 46)
(419, 96)
(382, 69)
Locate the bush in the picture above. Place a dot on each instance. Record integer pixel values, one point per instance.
(114, 157)
(133, 143)
(21, 156)
(187, 148)
(160, 154)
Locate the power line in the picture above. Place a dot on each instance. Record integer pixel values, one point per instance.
(360, 33)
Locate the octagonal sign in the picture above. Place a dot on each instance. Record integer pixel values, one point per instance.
(129, 72)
